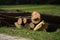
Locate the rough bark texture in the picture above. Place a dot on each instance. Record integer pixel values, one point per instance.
(51, 18)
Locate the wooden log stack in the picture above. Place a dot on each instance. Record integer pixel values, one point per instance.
(8, 17)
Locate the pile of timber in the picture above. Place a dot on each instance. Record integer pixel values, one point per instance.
(12, 16)
(8, 17)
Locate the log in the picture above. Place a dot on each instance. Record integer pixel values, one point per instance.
(19, 21)
(35, 17)
(24, 20)
(5, 23)
(17, 25)
(9, 18)
(51, 18)
(32, 25)
(52, 27)
(29, 25)
(14, 13)
(42, 25)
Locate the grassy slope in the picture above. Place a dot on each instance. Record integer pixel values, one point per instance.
(36, 35)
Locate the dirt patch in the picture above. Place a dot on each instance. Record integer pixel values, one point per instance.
(7, 37)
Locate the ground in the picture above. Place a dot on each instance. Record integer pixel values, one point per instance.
(36, 35)
(7, 37)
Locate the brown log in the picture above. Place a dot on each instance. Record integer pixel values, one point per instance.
(15, 13)
(9, 19)
(51, 18)
(42, 25)
(17, 25)
(29, 25)
(32, 25)
(4, 22)
(52, 27)
(19, 21)
(24, 20)
(36, 17)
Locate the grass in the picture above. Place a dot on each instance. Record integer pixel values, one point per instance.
(36, 35)
(51, 9)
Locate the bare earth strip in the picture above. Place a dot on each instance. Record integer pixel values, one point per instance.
(7, 37)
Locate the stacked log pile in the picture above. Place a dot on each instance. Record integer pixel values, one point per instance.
(12, 16)
(8, 17)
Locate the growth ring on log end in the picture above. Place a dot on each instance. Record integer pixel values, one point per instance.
(36, 17)
(19, 21)
(25, 20)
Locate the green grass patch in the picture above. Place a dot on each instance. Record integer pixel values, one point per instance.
(36, 35)
(51, 9)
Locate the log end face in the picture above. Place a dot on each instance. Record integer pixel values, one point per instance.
(36, 17)
(17, 25)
